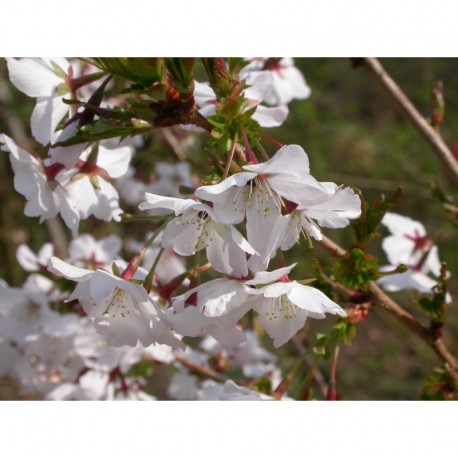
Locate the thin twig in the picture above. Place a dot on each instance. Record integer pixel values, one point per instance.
(421, 124)
(317, 374)
(230, 158)
(207, 372)
(174, 144)
(384, 301)
(332, 391)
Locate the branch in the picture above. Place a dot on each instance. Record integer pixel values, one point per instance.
(317, 375)
(384, 301)
(205, 371)
(413, 115)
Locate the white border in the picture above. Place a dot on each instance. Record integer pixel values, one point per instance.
(327, 28)
(231, 429)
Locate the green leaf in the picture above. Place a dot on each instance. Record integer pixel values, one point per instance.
(440, 385)
(143, 71)
(181, 73)
(357, 269)
(104, 129)
(217, 120)
(435, 307)
(365, 228)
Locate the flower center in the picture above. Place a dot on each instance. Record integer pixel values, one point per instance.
(260, 195)
(281, 305)
(117, 303)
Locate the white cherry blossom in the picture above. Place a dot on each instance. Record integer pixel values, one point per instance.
(213, 308)
(47, 80)
(85, 251)
(260, 193)
(284, 306)
(119, 309)
(286, 81)
(409, 244)
(43, 185)
(196, 227)
(31, 262)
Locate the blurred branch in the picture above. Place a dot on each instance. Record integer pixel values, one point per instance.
(204, 371)
(421, 124)
(317, 375)
(378, 184)
(174, 144)
(384, 301)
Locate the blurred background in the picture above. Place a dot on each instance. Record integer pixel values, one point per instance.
(354, 135)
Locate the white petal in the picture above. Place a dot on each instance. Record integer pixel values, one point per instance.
(432, 263)
(33, 77)
(225, 255)
(27, 258)
(261, 83)
(403, 225)
(288, 160)
(279, 325)
(69, 211)
(108, 202)
(103, 283)
(114, 161)
(263, 278)
(61, 268)
(228, 204)
(178, 206)
(313, 300)
(270, 116)
(262, 215)
(67, 155)
(214, 298)
(182, 237)
(335, 212)
(398, 250)
(47, 114)
(238, 179)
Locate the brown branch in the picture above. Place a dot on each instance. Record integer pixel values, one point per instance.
(174, 144)
(384, 301)
(205, 371)
(317, 375)
(413, 115)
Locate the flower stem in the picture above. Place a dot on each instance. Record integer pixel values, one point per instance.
(251, 157)
(332, 388)
(263, 151)
(135, 262)
(305, 391)
(127, 218)
(230, 158)
(149, 278)
(272, 140)
(282, 388)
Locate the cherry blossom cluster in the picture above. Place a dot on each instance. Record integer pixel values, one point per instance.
(125, 308)
(57, 354)
(410, 245)
(210, 266)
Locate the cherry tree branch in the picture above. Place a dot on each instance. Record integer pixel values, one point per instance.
(204, 371)
(436, 142)
(380, 298)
